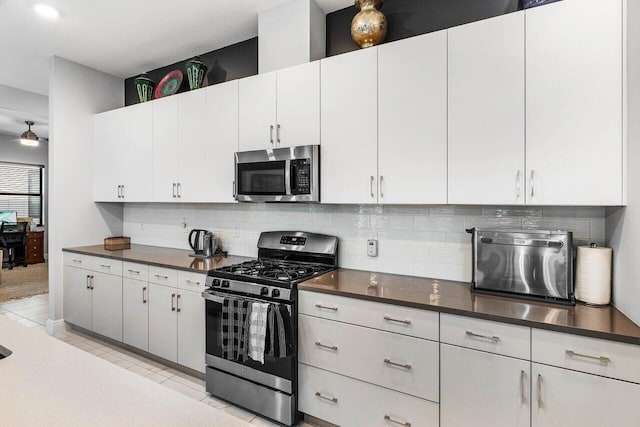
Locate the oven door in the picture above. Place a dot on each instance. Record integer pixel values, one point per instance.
(277, 373)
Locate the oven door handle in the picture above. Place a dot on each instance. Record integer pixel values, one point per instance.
(287, 177)
(211, 297)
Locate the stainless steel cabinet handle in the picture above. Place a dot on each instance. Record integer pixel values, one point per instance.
(400, 423)
(173, 302)
(119, 192)
(523, 397)
(233, 189)
(191, 282)
(144, 299)
(391, 319)
(330, 399)
(174, 190)
(532, 183)
(602, 359)
(372, 182)
(400, 365)
(105, 266)
(160, 276)
(518, 193)
(122, 191)
(271, 134)
(278, 134)
(77, 261)
(179, 190)
(381, 185)
(133, 271)
(88, 285)
(330, 347)
(486, 337)
(91, 282)
(539, 390)
(178, 303)
(324, 307)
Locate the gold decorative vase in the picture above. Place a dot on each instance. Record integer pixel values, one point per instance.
(369, 26)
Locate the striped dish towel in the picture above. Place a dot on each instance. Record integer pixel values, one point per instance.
(258, 330)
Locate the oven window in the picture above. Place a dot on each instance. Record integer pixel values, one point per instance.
(262, 178)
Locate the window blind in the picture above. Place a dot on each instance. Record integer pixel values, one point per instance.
(21, 190)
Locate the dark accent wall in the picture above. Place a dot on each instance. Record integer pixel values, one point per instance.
(408, 18)
(229, 63)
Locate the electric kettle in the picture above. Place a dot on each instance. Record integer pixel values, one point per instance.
(203, 243)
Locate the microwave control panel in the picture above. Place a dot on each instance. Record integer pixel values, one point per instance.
(300, 176)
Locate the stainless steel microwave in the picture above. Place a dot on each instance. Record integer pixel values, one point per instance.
(289, 174)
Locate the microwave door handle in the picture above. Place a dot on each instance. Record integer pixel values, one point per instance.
(294, 178)
(287, 177)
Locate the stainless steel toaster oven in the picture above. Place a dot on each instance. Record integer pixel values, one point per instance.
(536, 264)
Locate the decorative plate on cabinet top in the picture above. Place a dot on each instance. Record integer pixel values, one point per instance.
(169, 84)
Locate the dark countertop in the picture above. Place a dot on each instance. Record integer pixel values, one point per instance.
(161, 257)
(456, 298)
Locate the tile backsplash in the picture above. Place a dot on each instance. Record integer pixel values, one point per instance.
(427, 241)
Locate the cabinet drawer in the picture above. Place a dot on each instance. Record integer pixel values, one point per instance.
(75, 260)
(485, 335)
(386, 317)
(591, 355)
(191, 281)
(105, 265)
(163, 276)
(406, 364)
(132, 270)
(347, 402)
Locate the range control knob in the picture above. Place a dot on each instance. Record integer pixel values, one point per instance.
(264, 291)
(275, 293)
(216, 282)
(225, 283)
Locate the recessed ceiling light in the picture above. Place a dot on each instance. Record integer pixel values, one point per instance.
(46, 11)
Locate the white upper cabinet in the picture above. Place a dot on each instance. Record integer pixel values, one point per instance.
(165, 149)
(486, 111)
(257, 112)
(192, 144)
(574, 103)
(221, 133)
(298, 111)
(412, 120)
(108, 128)
(349, 126)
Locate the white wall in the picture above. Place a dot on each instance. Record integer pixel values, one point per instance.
(76, 93)
(623, 224)
(428, 241)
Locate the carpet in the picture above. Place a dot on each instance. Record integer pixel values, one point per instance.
(22, 282)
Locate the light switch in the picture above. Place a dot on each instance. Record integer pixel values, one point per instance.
(372, 247)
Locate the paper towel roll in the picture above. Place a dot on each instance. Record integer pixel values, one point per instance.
(593, 275)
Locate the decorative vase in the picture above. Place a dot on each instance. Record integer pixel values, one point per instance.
(195, 72)
(369, 26)
(144, 87)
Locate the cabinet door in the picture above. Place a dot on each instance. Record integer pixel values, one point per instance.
(412, 120)
(191, 330)
(77, 297)
(135, 153)
(165, 149)
(106, 305)
(257, 112)
(574, 103)
(135, 313)
(108, 130)
(567, 398)
(299, 105)
(192, 144)
(482, 389)
(221, 141)
(163, 322)
(486, 111)
(349, 126)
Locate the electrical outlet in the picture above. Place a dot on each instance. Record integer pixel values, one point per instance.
(236, 231)
(372, 247)
(142, 226)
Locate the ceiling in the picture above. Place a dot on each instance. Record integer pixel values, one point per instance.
(121, 37)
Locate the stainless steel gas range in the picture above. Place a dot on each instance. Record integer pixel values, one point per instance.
(285, 258)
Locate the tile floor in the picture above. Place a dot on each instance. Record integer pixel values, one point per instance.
(33, 312)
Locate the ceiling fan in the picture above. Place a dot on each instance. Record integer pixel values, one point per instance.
(29, 138)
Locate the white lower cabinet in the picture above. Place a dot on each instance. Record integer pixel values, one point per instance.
(191, 329)
(567, 398)
(135, 313)
(483, 389)
(77, 296)
(163, 322)
(345, 401)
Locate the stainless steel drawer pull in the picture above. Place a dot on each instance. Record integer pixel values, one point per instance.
(523, 396)
(486, 337)
(160, 276)
(133, 271)
(391, 420)
(330, 347)
(330, 399)
(602, 359)
(191, 282)
(391, 319)
(77, 261)
(400, 365)
(324, 307)
(105, 266)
